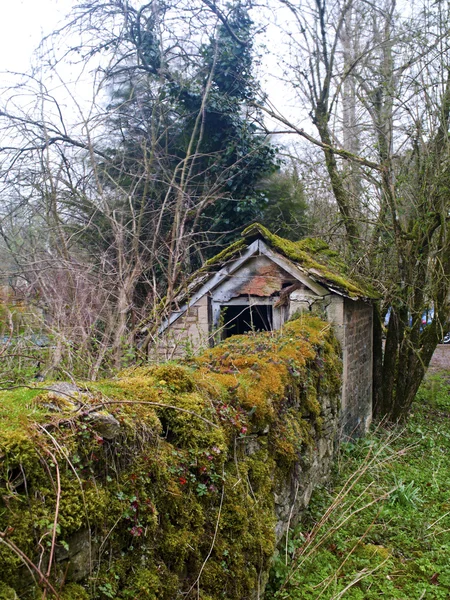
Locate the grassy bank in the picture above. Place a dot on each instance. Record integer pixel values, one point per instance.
(383, 528)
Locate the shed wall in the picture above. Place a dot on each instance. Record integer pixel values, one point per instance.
(353, 326)
(358, 368)
(188, 333)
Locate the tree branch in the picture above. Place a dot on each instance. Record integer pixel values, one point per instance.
(338, 151)
(212, 6)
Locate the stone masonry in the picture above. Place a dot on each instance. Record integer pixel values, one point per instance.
(358, 368)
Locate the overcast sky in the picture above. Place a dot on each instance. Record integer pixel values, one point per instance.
(22, 26)
(25, 22)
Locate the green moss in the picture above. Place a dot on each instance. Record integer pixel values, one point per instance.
(73, 591)
(171, 489)
(315, 256)
(17, 406)
(226, 254)
(7, 593)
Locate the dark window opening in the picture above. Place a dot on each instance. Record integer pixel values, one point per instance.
(238, 319)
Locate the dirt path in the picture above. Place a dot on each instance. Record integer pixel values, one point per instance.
(441, 358)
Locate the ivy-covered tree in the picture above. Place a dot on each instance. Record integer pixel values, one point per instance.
(186, 134)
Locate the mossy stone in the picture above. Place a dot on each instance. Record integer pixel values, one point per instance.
(7, 593)
(139, 514)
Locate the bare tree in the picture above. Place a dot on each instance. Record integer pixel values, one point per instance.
(379, 101)
(127, 196)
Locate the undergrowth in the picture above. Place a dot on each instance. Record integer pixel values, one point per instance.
(382, 529)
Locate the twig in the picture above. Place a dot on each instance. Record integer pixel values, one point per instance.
(69, 462)
(11, 330)
(289, 521)
(312, 544)
(27, 562)
(359, 576)
(347, 557)
(223, 19)
(55, 518)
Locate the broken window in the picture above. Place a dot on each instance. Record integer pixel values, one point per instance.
(241, 318)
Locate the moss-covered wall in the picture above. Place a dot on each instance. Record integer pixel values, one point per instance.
(171, 481)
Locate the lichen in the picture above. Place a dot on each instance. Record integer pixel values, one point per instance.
(181, 503)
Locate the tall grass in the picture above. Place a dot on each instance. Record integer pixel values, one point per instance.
(382, 529)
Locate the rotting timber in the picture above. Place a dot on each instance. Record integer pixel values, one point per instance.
(170, 481)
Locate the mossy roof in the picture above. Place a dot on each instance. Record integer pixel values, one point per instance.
(312, 255)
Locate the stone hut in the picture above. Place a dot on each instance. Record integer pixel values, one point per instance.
(261, 281)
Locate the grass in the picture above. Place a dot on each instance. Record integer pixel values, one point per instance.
(382, 529)
(17, 407)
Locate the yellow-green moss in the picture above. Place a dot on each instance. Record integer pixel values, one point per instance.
(7, 593)
(314, 255)
(73, 591)
(16, 406)
(225, 254)
(171, 489)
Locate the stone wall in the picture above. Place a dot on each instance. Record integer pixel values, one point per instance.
(188, 334)
(312, 469)
(178, 480)
(358, 368)
(292, 493)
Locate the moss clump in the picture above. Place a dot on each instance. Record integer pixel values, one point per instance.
(73, 591)
(181, 497)
(226, 254)
(16, 405)
(7, 593)
(315, 256)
